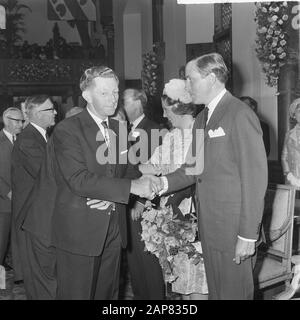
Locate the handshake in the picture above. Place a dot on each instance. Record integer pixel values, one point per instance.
(147, 186)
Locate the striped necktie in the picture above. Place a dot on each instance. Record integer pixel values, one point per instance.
(106, 135)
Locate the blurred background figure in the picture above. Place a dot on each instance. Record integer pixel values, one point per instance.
(290, 157)
(264, 126)
(73, 111)
(13, 124)
(120, 115)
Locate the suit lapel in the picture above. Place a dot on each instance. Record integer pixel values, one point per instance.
(91, 130)
(36, 134)
(5, 139)
(218, 113)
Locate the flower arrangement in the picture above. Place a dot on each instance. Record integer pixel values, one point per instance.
(272, 39)
(150, 73)
(176, 90)
(169, 239)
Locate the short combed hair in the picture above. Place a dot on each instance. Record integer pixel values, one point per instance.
(253, 102)
(8, 110)
(179, 107)
(212, 63)
(94, 72)
(138, 94)
(35, 101)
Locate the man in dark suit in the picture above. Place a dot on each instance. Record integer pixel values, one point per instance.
(13, 125)
(264, 126)
(27, 156)
(145, 271)
(230, 190)
(91, 156)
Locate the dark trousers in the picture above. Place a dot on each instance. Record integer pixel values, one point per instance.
(22, 252)
(5, 224)
(91, 278)
(16, 260)
(42, 264)
(227, 280)
(144, 268)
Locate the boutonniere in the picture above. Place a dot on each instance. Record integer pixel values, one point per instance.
(216, 133)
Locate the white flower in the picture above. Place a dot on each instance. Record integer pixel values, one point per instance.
(274, 18)
(284, 4)
(276, 9)
(272, 57)
(283, 55)
(282, 42)
(262, 30)
(285, 17)
(176, 90)
(280, 21)
(279, 50)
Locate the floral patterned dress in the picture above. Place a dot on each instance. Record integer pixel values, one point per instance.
(167, 158)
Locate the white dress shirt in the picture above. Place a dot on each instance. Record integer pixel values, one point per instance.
(9, 136)
(98, 121)
(41, 130)
(136, 122)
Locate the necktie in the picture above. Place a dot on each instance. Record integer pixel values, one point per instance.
(205, 117)
(106, 135)
(14, 138)
(130, 127)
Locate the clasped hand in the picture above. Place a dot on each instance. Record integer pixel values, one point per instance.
(147, 186)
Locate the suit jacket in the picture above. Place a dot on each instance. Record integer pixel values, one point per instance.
(39, 206)
(27, 156)
(230, 191)
(76, 227)
(5, 179)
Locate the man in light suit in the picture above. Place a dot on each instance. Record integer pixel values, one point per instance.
(230, 190)
(145, 271)
(27, 156)
(88, 241)
(13, 125)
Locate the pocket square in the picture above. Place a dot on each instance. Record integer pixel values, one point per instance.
(135, 134)
(216, 133)
(124, 151)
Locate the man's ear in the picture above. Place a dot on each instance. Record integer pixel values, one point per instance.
(86, 96)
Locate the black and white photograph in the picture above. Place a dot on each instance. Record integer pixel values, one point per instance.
(149, 152)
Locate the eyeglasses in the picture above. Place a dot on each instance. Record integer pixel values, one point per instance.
(18, 120)
(52, 109)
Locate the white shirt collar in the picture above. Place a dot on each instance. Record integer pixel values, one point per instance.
(99, 121)
(41, 130)
(214, 102)
(136, 122)
(9, 136)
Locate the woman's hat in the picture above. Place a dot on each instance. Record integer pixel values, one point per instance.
(293, 107)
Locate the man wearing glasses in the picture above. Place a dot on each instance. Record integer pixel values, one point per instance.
(13, 125)
(27, 156)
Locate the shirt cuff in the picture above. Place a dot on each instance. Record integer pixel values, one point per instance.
(245, 239)
(166, 185)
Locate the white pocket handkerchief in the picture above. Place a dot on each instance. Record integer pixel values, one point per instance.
(124, 151)
(216, 133)
(135, 134)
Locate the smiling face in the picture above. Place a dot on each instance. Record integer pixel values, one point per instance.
(102, 96)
